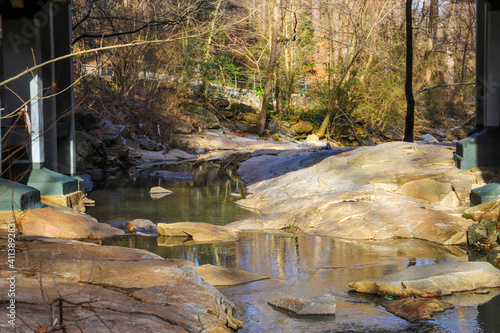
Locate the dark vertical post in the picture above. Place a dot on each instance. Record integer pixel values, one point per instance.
(64, 82)
(410, 101)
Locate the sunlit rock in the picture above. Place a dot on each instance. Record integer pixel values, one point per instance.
(226, 276)
(387, 191)
(64, 223)
(199, 232)
(110, 283)
(317, 305)
(434, 280)
(159, 192)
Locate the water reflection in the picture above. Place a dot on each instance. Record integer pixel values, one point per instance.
(204, 199)
(301, 265)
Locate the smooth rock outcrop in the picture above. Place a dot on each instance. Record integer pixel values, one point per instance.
(433, 280)
(226, 276)
(392, 190)
(317, 305)
(103, 285)
(198, 231)
(64, 223)
(413, 309)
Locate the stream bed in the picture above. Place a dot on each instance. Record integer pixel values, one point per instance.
(296, 264)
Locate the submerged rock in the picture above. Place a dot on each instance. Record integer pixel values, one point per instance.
(317, 305)
(433, 280)
(413, 309)
(226, 276)
(198, 231)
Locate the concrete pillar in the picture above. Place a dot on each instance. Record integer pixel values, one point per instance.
(480, 74)
(20, 51)
(64, 80)
(49, 78)
(492, 87)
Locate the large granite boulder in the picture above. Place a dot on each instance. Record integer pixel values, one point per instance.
(388, 191)
(101, 286)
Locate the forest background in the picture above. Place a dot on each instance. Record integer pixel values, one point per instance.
(349, 54)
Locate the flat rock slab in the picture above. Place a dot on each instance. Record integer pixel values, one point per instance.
(413, 309)
(317, 305)
(174, 176)
(64, 223)
(164, 295)
(393, 190)
(198, 231)
(433, 280)
(226, 276)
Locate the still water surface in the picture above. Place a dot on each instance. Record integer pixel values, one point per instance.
(298, 265)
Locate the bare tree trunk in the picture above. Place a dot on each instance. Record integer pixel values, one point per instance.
(410, 101)
(270, 67)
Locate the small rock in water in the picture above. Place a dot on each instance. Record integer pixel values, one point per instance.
(235, 195)
(141, 224)
(413, 309)
(317, 305)
(159, 192)
(198, 231)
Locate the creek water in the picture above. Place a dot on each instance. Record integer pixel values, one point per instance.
(296, 264)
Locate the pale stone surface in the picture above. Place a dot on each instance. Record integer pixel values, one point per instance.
(436, 279)
(365, 194)
(317, 305)
(451, 200)
(163, 295)
(141, 224)
(426, 189)
(226, 276)
(159, 190)
(198, 231)
(413, 309)
(64, 223)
